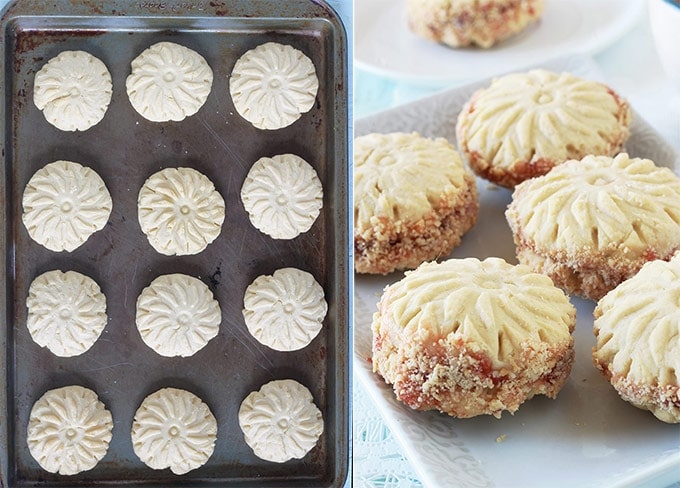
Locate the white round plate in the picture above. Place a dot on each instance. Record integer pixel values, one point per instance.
(385, 46)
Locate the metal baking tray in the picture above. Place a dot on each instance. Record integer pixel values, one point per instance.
(125, 149)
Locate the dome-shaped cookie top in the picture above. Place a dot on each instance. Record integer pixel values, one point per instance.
(180, 211)
(73, 90)
(272, 85)
(285, 311)
(282, 195)
(638, 325)
(600, 203)
(64, 204)
(497, 306)
(168, 82)
(400, 176)
(280, 421)
(69, 430)
(66, 312)
(174, 429)
(177, 315)
(541, 118)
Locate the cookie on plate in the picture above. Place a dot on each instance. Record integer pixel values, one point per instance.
(272, 85)
(413, 201)
(168, 82)
(174, 429)
(66, 312)
(180, 211)
(469, 337)
(460, 23)
(524, 124)
(591, 224)
(64, 204)
(177, 315)
(69, 430)
(280, 421)
(73, 90)
(637, 326)
(282, 195)
(285, 311)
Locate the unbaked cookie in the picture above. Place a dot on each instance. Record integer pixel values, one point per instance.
(469, 337)
(64, 204)
(524, 124)
(168, 82)
(69, 430)
(280, 421)
(174, 429)
(460, 23)
(593, 223)
(413, 201)
(273, 85)
(285, 311)
(282, 195)
(637, 326)
(177, 315)
(180, 211)
(66, 312)
(73, 90)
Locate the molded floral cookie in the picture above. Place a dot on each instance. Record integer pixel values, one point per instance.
(282, 195)
(273, 85)
(460, 23)
(285, 311)
(524, 124)
(177, 315)
(73, 90)
(469, 337)
(66, 312)
(168, 82)
(174, 429)
(280, 421)
(180, 211)
(64, 204)
(69, 430)
(591, 224)
(637, 326)
(414, 199)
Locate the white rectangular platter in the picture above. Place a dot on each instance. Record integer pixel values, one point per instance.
(588, 436)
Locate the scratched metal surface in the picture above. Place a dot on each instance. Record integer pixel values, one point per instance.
(125, 149)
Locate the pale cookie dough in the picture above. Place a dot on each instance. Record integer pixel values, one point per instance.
(177, 315)
(282, 195)
(524, 124)
(73, 90)
(174, 429)
(66, 312)
(180, 211)
(273, 85)
(637, 326)
(168, 82)
(65, 203)
(280, 421)
(414, 199)
(461, 23)
(591, 224)
(69, 430)
(469, 337)
(285, 311)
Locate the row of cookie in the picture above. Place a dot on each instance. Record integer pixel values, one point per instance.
(469, 337)
(271, 86)
(585, 218)
(180, 211)
(69, 428)
(176, 315)
(414, 199)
